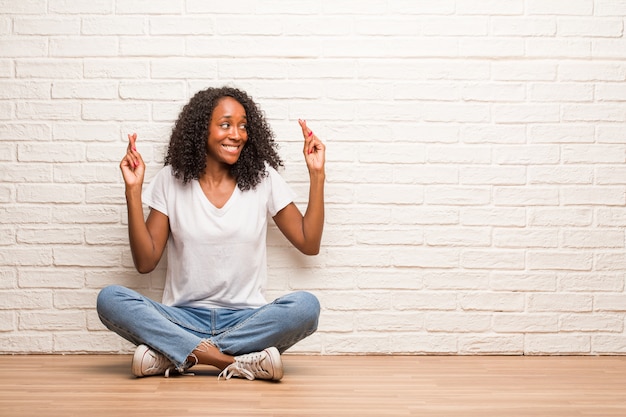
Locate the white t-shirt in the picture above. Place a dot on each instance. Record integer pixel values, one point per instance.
(217, 257)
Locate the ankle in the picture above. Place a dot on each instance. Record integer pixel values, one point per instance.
(207, 353)
(192, 360)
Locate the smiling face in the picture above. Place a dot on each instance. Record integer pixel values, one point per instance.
(227, 132)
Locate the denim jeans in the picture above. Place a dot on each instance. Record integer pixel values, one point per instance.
(177, 331)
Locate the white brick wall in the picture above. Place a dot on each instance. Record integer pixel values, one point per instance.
(476, 180)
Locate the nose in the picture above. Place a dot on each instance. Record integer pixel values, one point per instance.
(235, 133)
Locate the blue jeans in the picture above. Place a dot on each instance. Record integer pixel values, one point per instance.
(177, 331)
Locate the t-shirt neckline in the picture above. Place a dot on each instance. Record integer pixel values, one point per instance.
(205, 200)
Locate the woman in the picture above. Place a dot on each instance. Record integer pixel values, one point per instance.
(209, 205)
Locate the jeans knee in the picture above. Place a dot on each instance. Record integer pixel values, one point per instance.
(107, 299)
(312, 302)
(305, 309)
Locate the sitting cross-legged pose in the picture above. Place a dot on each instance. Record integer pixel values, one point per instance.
(209, 205)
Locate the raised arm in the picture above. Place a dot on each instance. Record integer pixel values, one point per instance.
(147, 238)
(305, 232)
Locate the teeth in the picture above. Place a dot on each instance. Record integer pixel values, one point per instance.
(231, 147)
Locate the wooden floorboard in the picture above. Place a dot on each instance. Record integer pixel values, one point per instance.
(502, 386)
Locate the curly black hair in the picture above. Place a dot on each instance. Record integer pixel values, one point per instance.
(187, 150)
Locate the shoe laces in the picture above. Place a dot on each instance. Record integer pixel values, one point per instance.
(247, 366)
(160, 362)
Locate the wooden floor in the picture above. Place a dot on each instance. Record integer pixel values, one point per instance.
(96, 385)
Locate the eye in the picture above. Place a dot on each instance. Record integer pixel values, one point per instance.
(225, 125)
(243, 127)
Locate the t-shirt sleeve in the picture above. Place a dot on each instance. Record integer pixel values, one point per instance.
(155, 194)
(280, 193)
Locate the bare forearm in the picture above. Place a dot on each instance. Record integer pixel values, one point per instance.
(141, 244)
(313, 222)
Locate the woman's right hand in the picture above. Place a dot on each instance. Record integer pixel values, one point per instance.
(132, 165)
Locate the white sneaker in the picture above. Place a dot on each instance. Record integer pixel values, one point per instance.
(147, 362)
(258, 365)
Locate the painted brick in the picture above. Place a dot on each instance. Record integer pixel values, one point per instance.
(7, 321)
(590, 27)
(592, 323)
(605, 195)
(457, 322)
(85, 90)
(610, 133)
(561, 133)
(421, 343)
(490, 7)
(560, 175)
(607, 344)
(49, 68)
(560, 7)
(562, 48)
(456, 280)
(78, 7)
(389, 322)
(50, 193)
(48, 110)
(605, 48)
(424, 301)
(142, 7)
(150, 46)
(118, 25)
(50, 152)
(492, 259)
(409, 26)
(516, 238)
(52, 320)
(177, 68)
(26, 342)
(456, 26)
(420, 7)
(23, 47)
(83, 47)
(24, 172)
(557, 345)
(507, 345)
(563, 302)
(483, 48)
(51, 278)
(424, 257)
(523, 196)
(493, 217)
(25, 300)
(594, 112)
(592, 239)
(115, 68)
(24, 90)
(610, 302)
(560, 217)
(474, 236)
(494, 175)
(98, 111)
(492, 302)
(84, 341)
(555, 260)
(610, 7)
(591, 71)
(523, 26)
(50, 235)
(562, 92)
(526, 323)
(598, 282)
(46, 26)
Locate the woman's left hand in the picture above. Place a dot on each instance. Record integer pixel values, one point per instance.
(314, 150)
